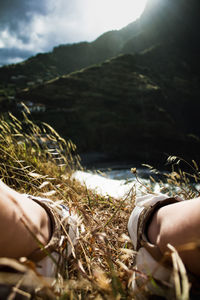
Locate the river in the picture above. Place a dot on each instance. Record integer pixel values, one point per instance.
(117, 183)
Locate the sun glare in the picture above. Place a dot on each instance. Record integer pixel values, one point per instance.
(114, 14)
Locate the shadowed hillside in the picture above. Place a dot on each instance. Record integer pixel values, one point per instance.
(68, 58)
(125, 106)
(142, 104)
(162, 21)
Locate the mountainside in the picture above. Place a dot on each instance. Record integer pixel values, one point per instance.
(162, 21)
(68, 58)
(132, 106)
(142, 104)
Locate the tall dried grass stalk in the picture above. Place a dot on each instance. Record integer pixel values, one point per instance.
(35, 159)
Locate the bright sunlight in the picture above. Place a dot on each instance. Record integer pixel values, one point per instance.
(113, 14)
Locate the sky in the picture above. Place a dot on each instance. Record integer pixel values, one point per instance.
(28, 27)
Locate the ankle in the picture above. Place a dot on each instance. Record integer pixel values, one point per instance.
(44, 232)
(153, 230)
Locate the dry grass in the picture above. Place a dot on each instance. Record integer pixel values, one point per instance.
(102, 265)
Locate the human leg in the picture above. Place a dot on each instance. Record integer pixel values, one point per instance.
(22, 221)
(42, 230)
(151, 228)
(178, 224)
(35, 227)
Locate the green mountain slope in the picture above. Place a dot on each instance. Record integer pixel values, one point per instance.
(68, 58)
(125, 106)
(144, 105)
(162, 20)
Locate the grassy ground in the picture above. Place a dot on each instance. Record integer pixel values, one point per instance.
(36, 160)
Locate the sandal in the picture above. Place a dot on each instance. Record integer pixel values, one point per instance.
(51, 258)
(150, 267)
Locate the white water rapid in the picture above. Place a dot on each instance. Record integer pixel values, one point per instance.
(118, 188)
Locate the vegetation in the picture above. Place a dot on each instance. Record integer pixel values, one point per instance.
(141, 105)
(67, 58)
(103, 263)
(123, 92)
(123, 106)
(154, 28)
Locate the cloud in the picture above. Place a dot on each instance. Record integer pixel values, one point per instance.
(13, 55)
(15, 14)
(31, 21)
(37, 26)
